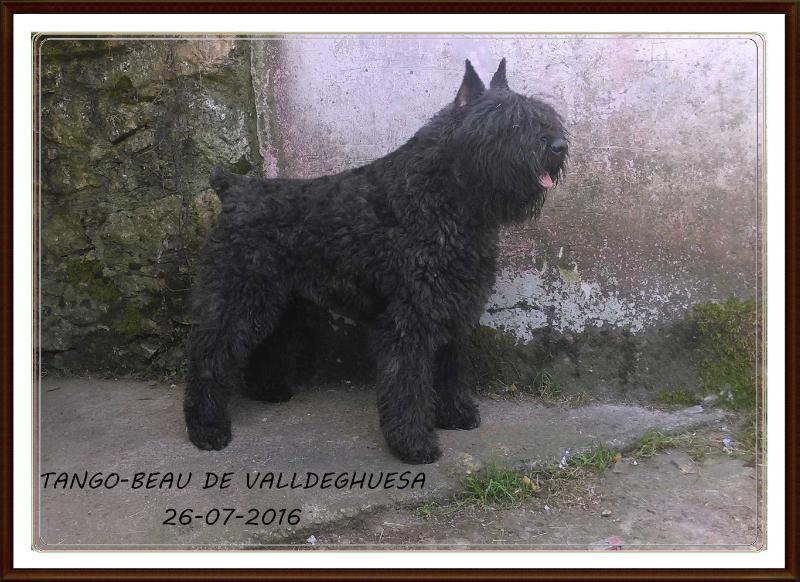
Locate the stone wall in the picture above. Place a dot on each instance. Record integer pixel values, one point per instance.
(129, 132)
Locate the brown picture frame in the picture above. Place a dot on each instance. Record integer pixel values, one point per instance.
(8, 9)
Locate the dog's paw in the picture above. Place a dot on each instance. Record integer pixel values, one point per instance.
(210, 437)
(464, 416)
(420, 455)
(415, 450)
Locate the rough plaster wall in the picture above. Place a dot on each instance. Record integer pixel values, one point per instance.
(660, 208)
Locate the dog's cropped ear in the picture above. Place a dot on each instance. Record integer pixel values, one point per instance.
(471, 87)
(499, 79)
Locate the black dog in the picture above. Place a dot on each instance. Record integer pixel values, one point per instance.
(406, 245)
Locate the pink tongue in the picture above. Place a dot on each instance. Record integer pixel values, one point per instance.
(546, 181)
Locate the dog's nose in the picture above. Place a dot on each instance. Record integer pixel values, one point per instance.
(559, 146)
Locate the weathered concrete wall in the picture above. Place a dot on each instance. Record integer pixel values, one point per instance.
(130, 130)
(659, 211)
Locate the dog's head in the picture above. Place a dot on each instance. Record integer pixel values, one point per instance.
(509, 149)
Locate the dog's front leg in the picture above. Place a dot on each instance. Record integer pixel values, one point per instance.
(405, 395)
(455, 408)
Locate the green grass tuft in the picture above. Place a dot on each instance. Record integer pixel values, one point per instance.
(598, 459)
(546, 388)
(496, 487)
(652, 442)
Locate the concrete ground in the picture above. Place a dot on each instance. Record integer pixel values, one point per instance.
(123, 428)
(667, 502)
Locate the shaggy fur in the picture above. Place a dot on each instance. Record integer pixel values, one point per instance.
(406, 245)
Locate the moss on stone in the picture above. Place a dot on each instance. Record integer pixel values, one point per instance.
(678, 397)
(60, 50)
(87, 275)
(728, 334)
(130, 322)
(121, 89)
(65, 235)
(242, 165)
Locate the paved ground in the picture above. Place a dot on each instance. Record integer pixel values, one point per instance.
(667, 502)
(127, 427)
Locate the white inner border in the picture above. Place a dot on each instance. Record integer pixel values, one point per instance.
(772, 29)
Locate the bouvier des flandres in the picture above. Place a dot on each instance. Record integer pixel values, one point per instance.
(406, 245)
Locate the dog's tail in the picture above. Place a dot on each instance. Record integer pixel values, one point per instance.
(221, 181)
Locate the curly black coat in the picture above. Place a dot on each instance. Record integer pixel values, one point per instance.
(406, 245)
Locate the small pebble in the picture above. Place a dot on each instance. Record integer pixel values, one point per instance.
(606, 513)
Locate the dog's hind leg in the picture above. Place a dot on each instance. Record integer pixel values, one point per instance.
(276, 360)
(455, 408)
(230, 318)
